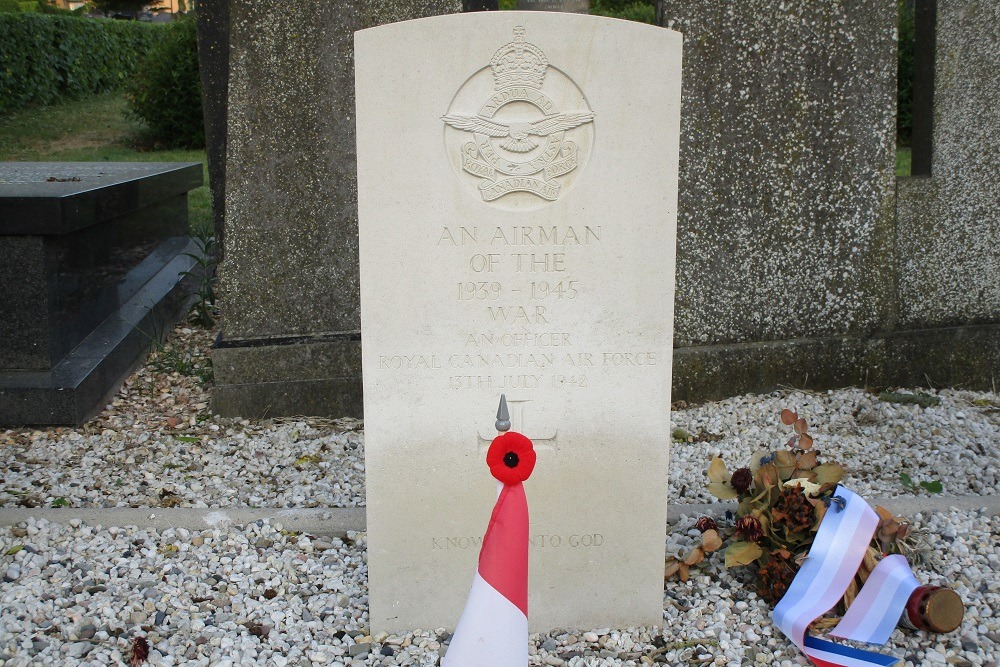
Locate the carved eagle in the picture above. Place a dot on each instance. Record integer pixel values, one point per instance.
(517, 140)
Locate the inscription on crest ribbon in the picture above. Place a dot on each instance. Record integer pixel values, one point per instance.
(521, 142)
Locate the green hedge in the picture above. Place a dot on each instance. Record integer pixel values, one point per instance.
(630, 10)
(45, 58)
(165, 91)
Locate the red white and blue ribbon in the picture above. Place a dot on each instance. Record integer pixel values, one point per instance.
(837, 551)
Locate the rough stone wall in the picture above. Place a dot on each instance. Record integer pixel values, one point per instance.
(949, 223)
(291, 259)
(785, 226)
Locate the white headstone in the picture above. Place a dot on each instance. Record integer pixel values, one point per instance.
(517, 177)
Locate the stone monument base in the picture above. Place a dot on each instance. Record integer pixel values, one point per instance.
(82, 383)
(963, 356)
(94, 268)
(283, 377)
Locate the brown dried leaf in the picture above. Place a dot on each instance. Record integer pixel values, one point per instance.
(682, 571)
(801, 426)
(717, 471)
(766, 476)
(805, 441)
(722, 491)
(829, 473)
(807, 475)
(742, 553)
(887, 530)
(670, 567)
(788, 417)
(710, 540)
(807, 460)
(883, 513)
(819, 511)
(785, 461)
(696, 556)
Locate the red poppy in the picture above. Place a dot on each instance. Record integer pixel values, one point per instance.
(511, 458)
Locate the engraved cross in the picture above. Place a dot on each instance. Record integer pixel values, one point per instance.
(518, 408)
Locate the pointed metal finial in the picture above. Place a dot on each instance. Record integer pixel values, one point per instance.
(503, 417)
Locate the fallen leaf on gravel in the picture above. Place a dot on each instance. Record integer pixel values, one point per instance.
(140, 651)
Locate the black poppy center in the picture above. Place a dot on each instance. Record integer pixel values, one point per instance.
(510, 460)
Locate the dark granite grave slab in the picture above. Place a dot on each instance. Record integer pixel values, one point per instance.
(91, 257)
(60, 197)
(79, 386)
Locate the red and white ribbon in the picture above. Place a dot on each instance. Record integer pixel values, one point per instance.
(836, 554)
(493, 629)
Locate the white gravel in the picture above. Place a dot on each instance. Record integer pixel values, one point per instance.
(217, 462)
(79, 595)
(231, 463)
(255, 595)
(956, 442)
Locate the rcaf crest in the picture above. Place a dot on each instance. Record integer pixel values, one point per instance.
(518, 129)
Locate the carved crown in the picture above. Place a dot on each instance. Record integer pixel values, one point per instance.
(518, 63)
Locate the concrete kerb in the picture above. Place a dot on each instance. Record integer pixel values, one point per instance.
(337, 522)
(331, 521)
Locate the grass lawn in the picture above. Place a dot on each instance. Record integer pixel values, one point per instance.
(94, 129)
(902, 161)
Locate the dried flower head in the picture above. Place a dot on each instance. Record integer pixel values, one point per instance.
(775, 577)
(140, 651)
(706, 523)
(741, 481)
(793, 510)
(748, 528)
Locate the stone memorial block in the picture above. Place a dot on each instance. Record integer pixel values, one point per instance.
(91, 261)
(517, 200)
(290, 342)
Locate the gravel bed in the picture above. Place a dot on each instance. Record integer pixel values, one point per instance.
(241, 595)
(235, 463)
(956, 442)
(256, 595)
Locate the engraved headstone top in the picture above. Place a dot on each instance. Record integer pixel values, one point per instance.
(516, 226)
(531, 133)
